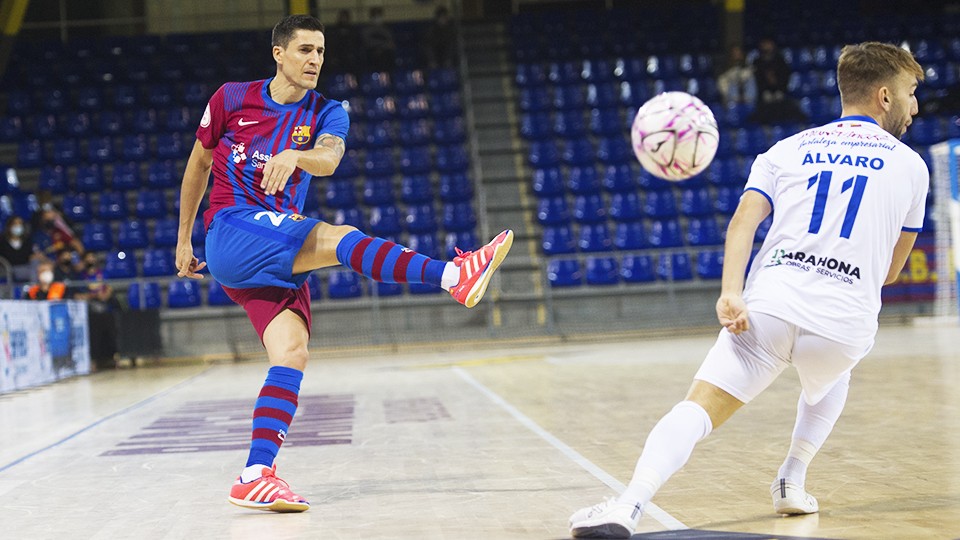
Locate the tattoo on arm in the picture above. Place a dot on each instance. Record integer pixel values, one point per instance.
(332, 142)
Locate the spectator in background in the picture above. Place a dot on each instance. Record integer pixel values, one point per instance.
(66, 268)
(736, 82)
(378, 44)
(345, 36)
(91, 269)
(52, 233)
(46, 288)
(103, 308)
(17, 248)
(440, 41)
(772, 74)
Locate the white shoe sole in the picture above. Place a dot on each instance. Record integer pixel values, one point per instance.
(602, 530)
(278, 505)
(480, 287)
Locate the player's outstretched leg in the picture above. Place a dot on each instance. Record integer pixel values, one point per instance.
(466, 278)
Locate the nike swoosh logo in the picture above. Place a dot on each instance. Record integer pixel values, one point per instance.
(242, 123)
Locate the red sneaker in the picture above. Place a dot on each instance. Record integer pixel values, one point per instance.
(267, 493)
(477, 267)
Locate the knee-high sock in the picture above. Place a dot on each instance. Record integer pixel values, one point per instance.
(273, 413)
(814, 424)
(667, 449)
(384, 261)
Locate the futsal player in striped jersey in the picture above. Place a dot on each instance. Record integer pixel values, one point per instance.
(264, 141)
(848, 200)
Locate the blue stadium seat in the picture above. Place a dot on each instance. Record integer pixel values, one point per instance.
(65, 152)
(409, 82)
(76, 207)
(414, 106)
(378, 135)
(125, 176)
(159, 95)
(165, 232)
(144, 121)
(170, 146)
(625, 206)
(660, 204)
(564, 73)
(764, 228)
(603, 96)
(416, 160)
(728, 197)
(703, 231)
(423, 288)
(553, 210)
(455, 187)
(375, 84)
(135, 148)
(449, 131)
(602, 271)
(11, 129)
(536, 126)
(665, 233)
(341, 194)
(459, 217)
(606, 123)
(530, 74)
(452, 159)
(570, 125)
(198, 235)
(348, 167)
(150, 298)
(196, 94)
(547, 182)
(385, 221)
(377, 191)
(443, 80)
(424, 244)
(379, 163)
(53, 178)
(97, 236)
(926, 131)
(120, 265)
(42, 126)
(594, 237)
(151, 204)
(158, 262)
(710, 264)
(583, 180)
(446, 105)
(53, 100)
(464, 240)
(619, 178)
(564, 273)
(421, 218)
(388, 289)
(76, 124)
(637, 269)
(183, 293)
(630, 235)
(350, 216)
(558, 239)
(614, 151)
(342, 86)
(112, 205)
(415, 132)
(132, 234)
(534, 99)
(416, 189)
(569, 97)
(109, 123)
(162, 175)
(30, 154)
(125, 96)
(89, 179)
(578, 153)
(216, 296)
(589, 208)
(696, 202)
(674, 267)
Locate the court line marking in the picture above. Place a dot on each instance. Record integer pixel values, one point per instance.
(649, 509)
(125, 410)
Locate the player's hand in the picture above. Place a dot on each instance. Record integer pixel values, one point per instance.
(732, 313)
(277, 171)
(187, 264)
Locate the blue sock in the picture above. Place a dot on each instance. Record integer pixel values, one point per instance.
(386, 262)
(273, 413)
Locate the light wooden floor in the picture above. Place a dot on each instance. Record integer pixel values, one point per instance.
(456, 444)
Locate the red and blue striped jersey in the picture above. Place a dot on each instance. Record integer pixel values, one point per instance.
(245, 127)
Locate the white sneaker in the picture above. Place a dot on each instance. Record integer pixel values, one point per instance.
(791, 499)
(609, 519)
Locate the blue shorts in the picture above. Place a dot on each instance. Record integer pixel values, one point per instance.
(248, 247)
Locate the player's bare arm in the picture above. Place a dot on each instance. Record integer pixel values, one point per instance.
(900, 254)
(321, 160)
(191, 193)
(731, 309)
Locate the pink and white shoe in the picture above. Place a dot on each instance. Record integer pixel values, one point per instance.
(267, 493)
(477, 267)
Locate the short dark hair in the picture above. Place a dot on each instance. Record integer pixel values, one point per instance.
(284, 30)
(864, 67)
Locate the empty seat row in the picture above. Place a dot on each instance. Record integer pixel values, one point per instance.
(378, 191)
(593, 237)
(451, 158)
(124, 176)
(635, 269)
(33, 153)
(630, 206)
(401, 82)
(112, 205)
(107, 122)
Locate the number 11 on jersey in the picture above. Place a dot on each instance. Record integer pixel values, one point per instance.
(822, 180)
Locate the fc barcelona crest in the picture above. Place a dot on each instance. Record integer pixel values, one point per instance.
(296, 217)
(301, 134)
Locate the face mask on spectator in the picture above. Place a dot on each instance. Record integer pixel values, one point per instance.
(16, 230)
(46, 277)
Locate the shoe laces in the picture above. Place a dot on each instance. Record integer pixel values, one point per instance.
(271, 475)
(461, 255)
(602, 506)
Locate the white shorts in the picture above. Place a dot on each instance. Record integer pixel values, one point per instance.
(744, 365)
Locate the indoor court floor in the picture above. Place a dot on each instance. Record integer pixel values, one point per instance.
(478, 442)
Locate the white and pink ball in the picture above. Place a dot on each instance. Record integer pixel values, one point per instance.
(675, 136)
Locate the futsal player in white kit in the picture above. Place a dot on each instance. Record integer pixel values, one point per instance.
(847, 201)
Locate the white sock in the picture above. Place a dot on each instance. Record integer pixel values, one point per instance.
(251, 473)
(814, 424)
(451, 276)
(667, 449)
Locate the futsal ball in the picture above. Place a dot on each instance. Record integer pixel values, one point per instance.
(674, 136)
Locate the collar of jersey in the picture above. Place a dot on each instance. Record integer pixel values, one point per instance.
(855, 117)
(269, 100)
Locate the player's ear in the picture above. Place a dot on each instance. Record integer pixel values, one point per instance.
(883, 95)
(277, 53)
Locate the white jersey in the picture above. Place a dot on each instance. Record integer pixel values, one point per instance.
(841, 194)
